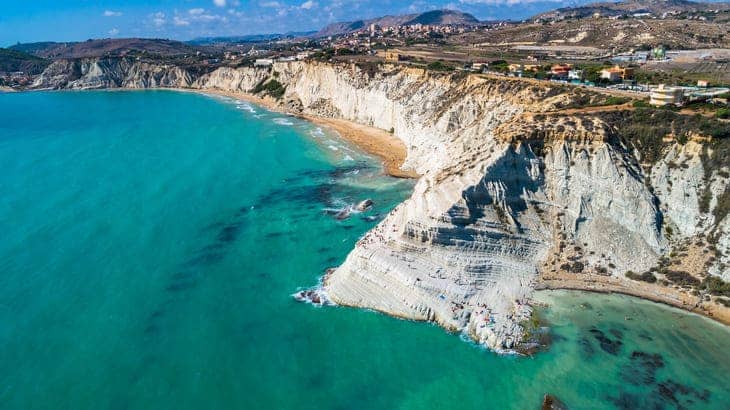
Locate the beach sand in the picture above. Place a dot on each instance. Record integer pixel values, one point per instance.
(608, 284)
(374, 141)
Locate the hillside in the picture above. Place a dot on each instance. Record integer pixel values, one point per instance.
(13, 61)
(107, 47)
(251, 38)
(606, 34)
(435, 17)
(655, 7)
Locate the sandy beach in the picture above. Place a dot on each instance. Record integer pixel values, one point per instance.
(374, 141)
(603, 284)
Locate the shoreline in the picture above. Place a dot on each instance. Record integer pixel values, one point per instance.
(385, 146)
(684, 302)
(392, 153)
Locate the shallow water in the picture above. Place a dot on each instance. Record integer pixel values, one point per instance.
(151, 242)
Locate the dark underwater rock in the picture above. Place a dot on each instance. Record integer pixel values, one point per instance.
(608, 345)
(550, 402)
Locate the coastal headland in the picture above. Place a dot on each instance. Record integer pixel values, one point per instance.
(523, 185)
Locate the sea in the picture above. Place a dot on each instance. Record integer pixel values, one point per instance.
(150, 242)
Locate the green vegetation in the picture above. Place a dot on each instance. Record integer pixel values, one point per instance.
(13, 60)
(613, 100)
(723, 113)
(530, 326)
(714, 157)
(723, 205)
(681, 277)
(644, 277)
(324, 55)
(499, 65)
(439, 66)
(645, 128)
(716, 286)
(592, 72)
(369, 68)
(675, 77)
(575, 267)
(272, 88)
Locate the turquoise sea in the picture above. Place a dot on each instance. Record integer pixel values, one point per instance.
(150, 242)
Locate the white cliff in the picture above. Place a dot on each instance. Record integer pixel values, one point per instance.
(515, 184)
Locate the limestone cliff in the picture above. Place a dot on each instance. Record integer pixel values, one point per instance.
(95, 73)
(520, 188)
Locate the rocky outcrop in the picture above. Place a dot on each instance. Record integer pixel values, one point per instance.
(95, 73)
(516, 183)
(230, 79)
(511, 179)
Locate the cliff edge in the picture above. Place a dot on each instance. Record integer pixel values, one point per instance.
(524, 185)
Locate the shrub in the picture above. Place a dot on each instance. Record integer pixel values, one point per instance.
(716, 286)
(681, 277)
(722, 301)
(644, 277)
(272, 88)
(613, 100)
(722, 113)
(577, 267)
(723, 205)
(439, 66)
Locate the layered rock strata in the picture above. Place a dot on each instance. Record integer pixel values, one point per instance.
(518, 186)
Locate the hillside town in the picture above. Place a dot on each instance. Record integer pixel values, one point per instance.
(655, 70)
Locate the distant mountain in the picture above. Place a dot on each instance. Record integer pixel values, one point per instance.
(656, 7)
(106, 47)
(14, 60)
(435, 17)
(252, 38)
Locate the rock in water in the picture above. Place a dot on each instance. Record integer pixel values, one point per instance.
(314, 296)
(364, 205)
(550, 402)
(343, 214)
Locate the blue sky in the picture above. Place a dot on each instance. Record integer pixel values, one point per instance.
(72, 20)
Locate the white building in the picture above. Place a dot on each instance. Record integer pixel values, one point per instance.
(575, 75)
(263, 62)
(374, 29)
(663, 95)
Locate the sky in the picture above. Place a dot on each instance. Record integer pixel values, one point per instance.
(78, 20)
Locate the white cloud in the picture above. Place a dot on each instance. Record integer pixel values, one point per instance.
(308, 5)
(197, 17)
(113, 32)
(179, 21)
(220, 3)
(158, 19)
(111, 13)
